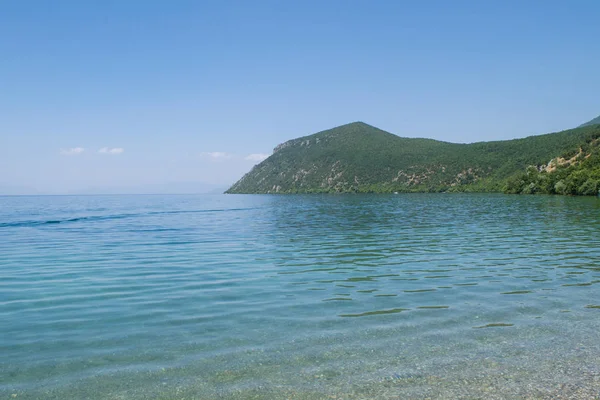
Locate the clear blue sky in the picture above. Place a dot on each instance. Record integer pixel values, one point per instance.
(184, 91)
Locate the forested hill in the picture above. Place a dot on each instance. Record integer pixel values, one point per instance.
(595, 121)
(361, 158)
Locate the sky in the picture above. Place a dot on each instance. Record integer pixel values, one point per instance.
(145, 95)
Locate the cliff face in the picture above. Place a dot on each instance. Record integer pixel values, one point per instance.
(361, 158)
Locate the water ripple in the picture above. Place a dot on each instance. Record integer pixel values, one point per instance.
(106, 295)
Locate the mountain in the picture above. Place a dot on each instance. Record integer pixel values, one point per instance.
(572, 174)
(358, 157)
(595, 121)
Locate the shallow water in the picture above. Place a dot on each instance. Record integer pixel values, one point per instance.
(400, 296)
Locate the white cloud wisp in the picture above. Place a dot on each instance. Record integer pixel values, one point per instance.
(216, 155)
(256, 157)
(113, 151)
(72, 151)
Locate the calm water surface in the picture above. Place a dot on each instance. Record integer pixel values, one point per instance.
(406, 296)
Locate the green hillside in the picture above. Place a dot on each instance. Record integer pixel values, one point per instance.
(572, 174)
(595, 121)
(361, 158)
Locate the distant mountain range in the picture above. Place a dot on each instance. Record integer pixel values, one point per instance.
(359, 158)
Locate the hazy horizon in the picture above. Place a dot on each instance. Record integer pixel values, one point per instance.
(150, 189)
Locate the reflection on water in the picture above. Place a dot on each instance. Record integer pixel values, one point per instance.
(297, 296)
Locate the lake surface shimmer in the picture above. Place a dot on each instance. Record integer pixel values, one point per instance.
(299, 297)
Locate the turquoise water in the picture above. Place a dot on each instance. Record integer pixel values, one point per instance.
(405, 296)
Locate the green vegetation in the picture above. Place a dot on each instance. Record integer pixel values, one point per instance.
(359, 158)
(595, 121)
(577, 175)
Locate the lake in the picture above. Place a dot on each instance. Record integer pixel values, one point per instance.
(299, 297)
